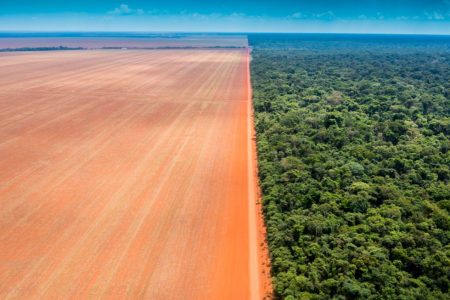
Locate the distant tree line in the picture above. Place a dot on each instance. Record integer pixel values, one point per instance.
(40, 49)
(354, 164)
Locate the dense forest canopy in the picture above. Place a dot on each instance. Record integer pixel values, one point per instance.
(351, 43)
(353, 136)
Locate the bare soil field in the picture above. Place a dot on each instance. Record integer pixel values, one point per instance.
(190, 41)
(126, 174)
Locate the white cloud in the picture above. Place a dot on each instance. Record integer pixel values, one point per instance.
(297, 15)
(327, 15)
(380, 16)
(196, 16)
(125, 10)
(237, 15)
(434, 16)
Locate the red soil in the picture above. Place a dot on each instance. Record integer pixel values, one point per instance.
(126, 174)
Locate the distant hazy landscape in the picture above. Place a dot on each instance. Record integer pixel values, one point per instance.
(30, 41)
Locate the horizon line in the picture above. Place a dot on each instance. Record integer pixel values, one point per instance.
(220, 32)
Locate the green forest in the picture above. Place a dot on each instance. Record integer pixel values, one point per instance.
(353, 138)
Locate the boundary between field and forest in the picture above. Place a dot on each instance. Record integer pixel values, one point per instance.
(259, 262)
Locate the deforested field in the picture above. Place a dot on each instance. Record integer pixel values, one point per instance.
(124, 174)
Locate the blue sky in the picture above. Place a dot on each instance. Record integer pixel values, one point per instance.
(363, 16)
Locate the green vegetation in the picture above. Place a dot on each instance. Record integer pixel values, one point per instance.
(354, 161)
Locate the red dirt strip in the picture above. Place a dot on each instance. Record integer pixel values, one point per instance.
(128, 175)
(260, 280)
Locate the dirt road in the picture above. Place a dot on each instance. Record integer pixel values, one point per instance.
(124, 174)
